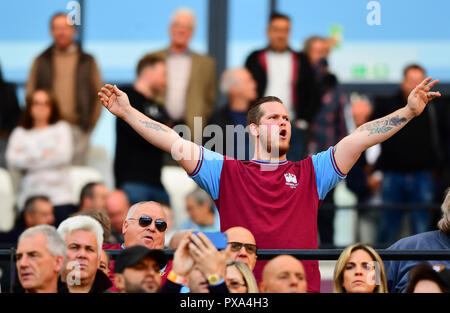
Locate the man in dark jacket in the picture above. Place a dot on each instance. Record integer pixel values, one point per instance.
(407, 161)
(137, 165)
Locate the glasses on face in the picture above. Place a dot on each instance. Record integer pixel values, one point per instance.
(145, 221)
(234, 284)
(250, 248)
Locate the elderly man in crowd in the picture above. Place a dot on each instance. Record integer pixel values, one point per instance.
(191, 77)
(39, 259)
(240, 88)
(283, 274)
(117, 205)
(137, 270)
(83, 236)
(241, 246)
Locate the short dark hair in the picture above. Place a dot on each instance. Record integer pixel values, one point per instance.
(148, 60)
(413, 67)
(278, 15)
(424, 271)
(88, 190)
(26, 120)
(29, 205)
(255, 113)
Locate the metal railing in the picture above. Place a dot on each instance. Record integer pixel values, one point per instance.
(301, 254)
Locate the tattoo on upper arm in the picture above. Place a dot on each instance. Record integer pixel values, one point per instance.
(384, 125)
(153, 125)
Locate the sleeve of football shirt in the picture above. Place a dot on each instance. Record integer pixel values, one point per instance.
(326, 171)
(208, 171)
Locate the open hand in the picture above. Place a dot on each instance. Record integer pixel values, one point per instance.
(421, 95)
(207, 258)
(182, 260)
(115, 100)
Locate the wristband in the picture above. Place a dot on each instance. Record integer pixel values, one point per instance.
(175, 278)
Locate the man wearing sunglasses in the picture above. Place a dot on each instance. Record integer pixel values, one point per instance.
(241, 246)
(144, 225)
(275, 198)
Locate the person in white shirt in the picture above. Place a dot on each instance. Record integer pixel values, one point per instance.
(41, 148)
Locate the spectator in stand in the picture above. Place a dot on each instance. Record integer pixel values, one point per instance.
(104, 263)
(42, 147)
(397, 271)
(201, 211)
(283, 274)
(359, 269)
(285, 74)
(407, 161)
(191, 77)
(37, 211)
(171, 230)
(9, 114)
(145, 225)
(199, 265)
(326, 121)
(137, 165)
(137, 270)
(83, 237)
(241, 246)
(39, 259)
(73, 76)
(269, 182)
(117, 205)
(240, 88)
(426, 279)
(93, 196)
(239, 278)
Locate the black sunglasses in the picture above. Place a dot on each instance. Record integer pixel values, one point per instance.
(236, 246)
(145, 221)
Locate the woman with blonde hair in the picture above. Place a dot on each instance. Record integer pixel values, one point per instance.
(359, 269)
(239, 278)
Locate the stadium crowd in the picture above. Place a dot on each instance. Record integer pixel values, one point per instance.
(62, 245)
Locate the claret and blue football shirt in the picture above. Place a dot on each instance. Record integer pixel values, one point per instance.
(276, 201)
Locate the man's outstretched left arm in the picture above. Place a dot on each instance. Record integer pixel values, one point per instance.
(349, 149)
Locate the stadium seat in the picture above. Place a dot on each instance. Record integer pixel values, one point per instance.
(80, 176)
(99, 159)
(7, 198)
(177, 184)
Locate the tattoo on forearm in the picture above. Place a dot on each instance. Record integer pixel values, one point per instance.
(154, 126)
(384, 125)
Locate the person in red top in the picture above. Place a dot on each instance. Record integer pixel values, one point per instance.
(144, 225)
(277, 200)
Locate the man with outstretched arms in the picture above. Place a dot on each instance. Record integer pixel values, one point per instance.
(274, 198)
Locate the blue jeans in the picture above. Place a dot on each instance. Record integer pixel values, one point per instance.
(139, 191)
(414, 188)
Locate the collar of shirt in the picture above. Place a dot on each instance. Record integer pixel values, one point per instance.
(186, 52)
(280, 162)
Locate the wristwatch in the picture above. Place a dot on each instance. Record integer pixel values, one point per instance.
(214, 279)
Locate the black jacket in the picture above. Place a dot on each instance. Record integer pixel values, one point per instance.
(413, 148)
(223, 117)
(136, 160)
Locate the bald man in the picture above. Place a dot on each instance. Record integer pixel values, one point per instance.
(240, 88)
(241, 246)
(283, 274)
(117, 205)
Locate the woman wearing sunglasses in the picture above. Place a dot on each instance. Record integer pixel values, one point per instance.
(239, 278)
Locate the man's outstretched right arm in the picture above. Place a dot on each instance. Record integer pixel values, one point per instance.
(185, 152)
